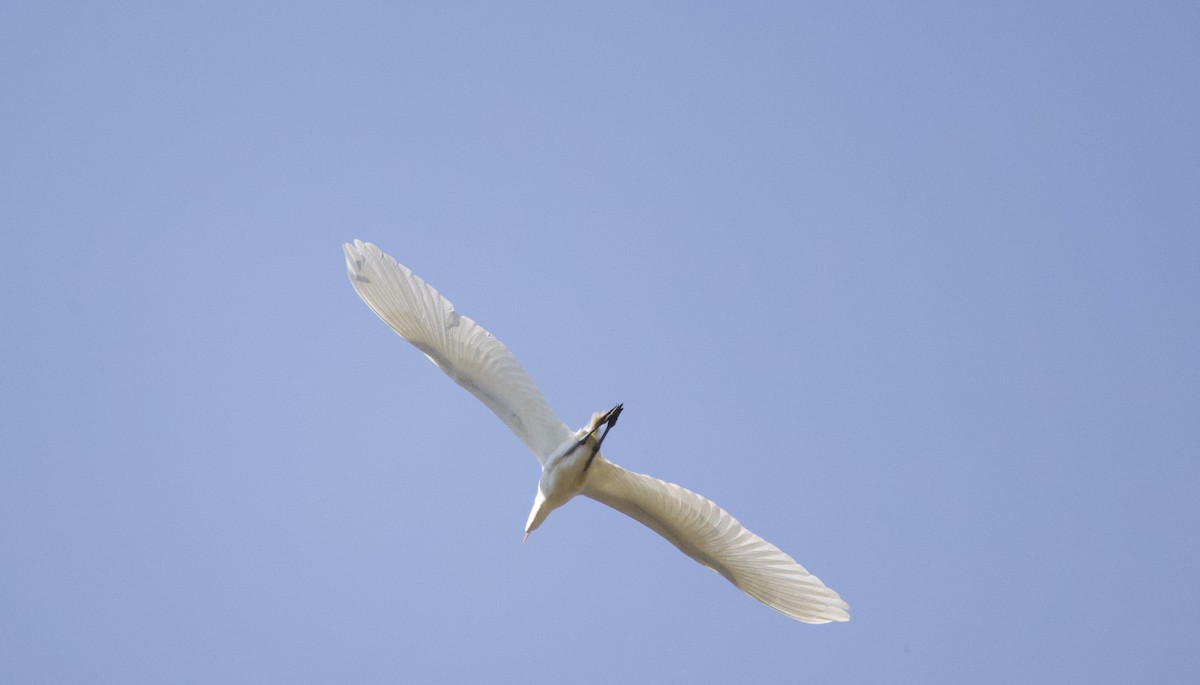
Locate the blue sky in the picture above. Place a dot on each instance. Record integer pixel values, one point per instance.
(909, 288)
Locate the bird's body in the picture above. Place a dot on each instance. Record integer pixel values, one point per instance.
(565, 472)
(571, 460)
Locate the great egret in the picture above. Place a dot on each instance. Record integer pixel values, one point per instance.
(571, 461)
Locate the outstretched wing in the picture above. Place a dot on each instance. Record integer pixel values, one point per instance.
(468, 354)
(708, 534)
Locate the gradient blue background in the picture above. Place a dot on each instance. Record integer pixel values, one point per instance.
(910, 288)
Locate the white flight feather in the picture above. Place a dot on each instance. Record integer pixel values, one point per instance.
(710, 535)
(468, 354)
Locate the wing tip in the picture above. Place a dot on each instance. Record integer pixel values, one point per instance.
(364, 258)
(355, 260)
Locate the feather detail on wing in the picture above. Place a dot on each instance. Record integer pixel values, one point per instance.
(708, 534)
(470, 355)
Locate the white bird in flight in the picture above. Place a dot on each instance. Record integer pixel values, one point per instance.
(571, 460)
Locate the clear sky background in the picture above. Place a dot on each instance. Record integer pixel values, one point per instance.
(912, 289)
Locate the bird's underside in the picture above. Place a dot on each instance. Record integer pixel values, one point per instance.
(479, 362)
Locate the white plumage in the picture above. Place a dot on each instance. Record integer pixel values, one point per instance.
(571, 461)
